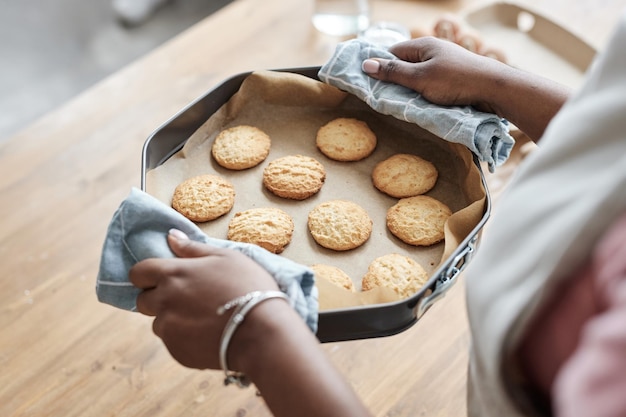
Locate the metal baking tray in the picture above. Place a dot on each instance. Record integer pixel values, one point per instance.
(351, 323)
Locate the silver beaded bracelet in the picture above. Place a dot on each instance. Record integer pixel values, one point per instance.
(242, 306)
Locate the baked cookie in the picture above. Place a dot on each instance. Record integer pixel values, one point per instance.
(398, 272)
(204, 198)
(295, 176)
(404, 175)
(418, 220)
(268, 227)
(340, 225)
(346, 139)
(334, 275)
(241, 147)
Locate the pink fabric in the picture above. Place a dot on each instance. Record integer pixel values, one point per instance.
(592, 382)
(577, 351)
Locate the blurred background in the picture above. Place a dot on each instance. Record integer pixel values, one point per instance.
(51, 50)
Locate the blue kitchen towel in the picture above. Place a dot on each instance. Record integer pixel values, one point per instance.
(485, 134)
(139, 231)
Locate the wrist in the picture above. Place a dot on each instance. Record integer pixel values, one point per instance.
(527, 100)
(279, 354)
(263, 327)
(491, 87)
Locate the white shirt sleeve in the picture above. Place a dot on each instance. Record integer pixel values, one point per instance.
(560, 201)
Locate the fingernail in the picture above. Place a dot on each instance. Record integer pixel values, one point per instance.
(177, 234)
(370, 66)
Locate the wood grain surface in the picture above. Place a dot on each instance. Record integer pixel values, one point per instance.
(64, 354)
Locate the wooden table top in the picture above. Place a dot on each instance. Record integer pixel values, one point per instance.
(62, 353)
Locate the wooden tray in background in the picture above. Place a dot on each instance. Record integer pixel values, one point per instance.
(533, 42)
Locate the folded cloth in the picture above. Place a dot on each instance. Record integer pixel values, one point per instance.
(485, 134)
(138, 231)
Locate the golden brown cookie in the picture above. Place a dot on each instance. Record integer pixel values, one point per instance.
(334, 275)
(404, 175)
(398, 272)
(268, 227)
(346, 139)
(418, 220)
(339, 225)
(241, 147)
(295, 176)
(204, 198)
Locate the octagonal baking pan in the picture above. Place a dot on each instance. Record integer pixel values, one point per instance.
(338, 324)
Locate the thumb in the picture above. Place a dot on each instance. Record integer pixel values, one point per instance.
(183, 247)
(392, 70)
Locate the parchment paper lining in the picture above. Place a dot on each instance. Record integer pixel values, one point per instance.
(291, 108)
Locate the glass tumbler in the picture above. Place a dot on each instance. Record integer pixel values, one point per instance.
(341, 17)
